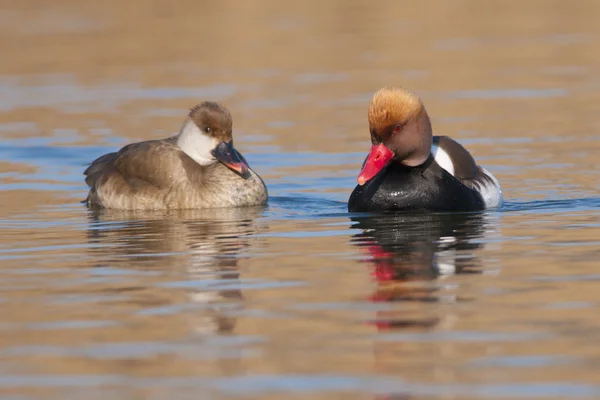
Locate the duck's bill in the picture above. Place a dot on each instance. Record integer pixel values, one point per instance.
(226, 154)
(378, 158)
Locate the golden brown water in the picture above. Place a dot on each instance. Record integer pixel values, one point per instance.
(300, 300)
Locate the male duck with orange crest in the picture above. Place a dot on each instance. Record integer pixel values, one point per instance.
(410, 169)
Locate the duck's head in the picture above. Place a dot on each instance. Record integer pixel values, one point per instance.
(206, 137)
(400, 132)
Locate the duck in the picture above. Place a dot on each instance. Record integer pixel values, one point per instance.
(408, 168)
(197, 168)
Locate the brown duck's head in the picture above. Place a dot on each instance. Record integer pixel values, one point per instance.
(207, 138)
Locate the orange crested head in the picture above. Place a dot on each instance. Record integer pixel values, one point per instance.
(390, 107)
(400, 132)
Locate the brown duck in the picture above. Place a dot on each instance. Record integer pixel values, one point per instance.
(198, 168)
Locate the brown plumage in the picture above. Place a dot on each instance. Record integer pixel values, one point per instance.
(198, 168)
(214, 116)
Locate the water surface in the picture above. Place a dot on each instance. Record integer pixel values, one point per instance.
(300, 299)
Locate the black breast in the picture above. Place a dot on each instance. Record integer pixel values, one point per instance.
(426, 187)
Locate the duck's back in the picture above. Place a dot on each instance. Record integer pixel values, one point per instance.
(457, 160)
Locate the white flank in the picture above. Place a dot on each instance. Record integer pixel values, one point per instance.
(197, 144)
(491, 193)
(443, 159)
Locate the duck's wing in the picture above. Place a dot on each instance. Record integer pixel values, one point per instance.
(455, 159)
(152, 163)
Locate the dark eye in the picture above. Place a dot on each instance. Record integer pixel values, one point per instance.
(207, 129)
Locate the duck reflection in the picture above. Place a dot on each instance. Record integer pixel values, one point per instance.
(186, 247)
(405, 251)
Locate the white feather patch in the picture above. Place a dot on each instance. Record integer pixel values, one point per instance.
(491, 193)
(197, 144)
(442, 159)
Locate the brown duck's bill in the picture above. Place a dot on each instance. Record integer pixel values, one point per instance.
(378, 158)
(226, 153)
